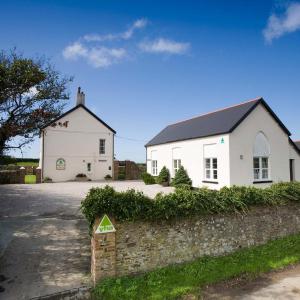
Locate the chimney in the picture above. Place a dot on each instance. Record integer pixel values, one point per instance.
(80, 97)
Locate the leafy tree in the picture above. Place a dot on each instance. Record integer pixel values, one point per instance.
(181, 177)
(164, 176)
(32, 93)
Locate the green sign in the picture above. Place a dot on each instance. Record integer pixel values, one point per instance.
(105, 225)
(222, 141)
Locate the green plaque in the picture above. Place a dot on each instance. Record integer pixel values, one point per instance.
(105, 225)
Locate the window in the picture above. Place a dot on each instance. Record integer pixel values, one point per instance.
(261, 154)
(89, 167)
(102, 146)
(261, 168)
(154, 167)
(211, 168)
(176, 165)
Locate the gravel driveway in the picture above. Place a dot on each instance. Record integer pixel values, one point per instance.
(44, 242)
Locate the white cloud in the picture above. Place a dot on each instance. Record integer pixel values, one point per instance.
(138, 24)
(288, 22)
(98, 57)
(75, 51)
(162, 45)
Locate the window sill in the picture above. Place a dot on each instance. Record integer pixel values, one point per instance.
(207, 181)
(262, 181)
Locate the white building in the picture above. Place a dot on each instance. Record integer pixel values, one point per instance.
(245, 144)
(77, 142)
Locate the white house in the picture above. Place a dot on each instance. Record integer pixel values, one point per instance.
(77, 142)
(245, 144)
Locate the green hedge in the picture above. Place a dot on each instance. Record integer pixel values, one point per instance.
(148, 178)
(132, 205)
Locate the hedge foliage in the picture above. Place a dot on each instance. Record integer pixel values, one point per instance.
(132, 205)
(148, 178)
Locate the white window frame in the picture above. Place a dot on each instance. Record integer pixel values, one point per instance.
(176, 165)
(211, 169)
(154, 167)
(102, 146)
(261, 169)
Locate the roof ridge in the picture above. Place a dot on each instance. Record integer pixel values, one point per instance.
(218, 110)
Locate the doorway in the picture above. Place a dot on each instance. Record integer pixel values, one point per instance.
(292, 170)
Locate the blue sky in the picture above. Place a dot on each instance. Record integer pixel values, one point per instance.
(145, 64)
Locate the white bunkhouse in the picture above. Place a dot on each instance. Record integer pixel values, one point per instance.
(245, 144)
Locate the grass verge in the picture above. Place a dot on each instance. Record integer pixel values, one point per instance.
(174, 281)
(27, 164)
(30, 179)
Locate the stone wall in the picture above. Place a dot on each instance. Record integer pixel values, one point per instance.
(17, 175)
(143, 246)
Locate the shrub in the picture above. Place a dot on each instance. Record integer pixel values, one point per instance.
(164, 176)
(107, 176)
(181, 177)
(132, 205)
(80, 175)
(148, 178)
(47, 179)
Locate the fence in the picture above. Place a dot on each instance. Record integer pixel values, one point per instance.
(127, 170)
(15, 174)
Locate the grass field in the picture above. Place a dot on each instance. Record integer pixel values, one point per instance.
(29, 179)
(27, 163)
(175, 281)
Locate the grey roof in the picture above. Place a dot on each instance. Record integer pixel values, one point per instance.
(218, 122)
(297, 143)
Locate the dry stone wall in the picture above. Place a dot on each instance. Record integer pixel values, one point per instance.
(143, 246)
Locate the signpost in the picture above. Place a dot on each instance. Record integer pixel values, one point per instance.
(105, 225)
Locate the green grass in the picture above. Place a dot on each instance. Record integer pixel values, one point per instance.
(177, 280)
(30, 179)
(27, 163)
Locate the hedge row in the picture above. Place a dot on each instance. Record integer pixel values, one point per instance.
(132, 205)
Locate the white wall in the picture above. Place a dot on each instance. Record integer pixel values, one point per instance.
(192, 158)
(242, 142)
(78, 144)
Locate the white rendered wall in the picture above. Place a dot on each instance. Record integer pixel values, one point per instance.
(192, 158)
(78, 144)
(242, 142)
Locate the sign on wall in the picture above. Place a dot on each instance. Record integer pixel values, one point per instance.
(60, 164)
(105, 225)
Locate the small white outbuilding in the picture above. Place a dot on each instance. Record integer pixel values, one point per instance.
(77, 142)
(245, 144)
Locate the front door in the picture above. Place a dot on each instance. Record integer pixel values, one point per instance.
(89, 169)
(292, 170)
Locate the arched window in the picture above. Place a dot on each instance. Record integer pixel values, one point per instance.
(261, 154)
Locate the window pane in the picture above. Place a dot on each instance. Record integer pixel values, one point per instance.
(179, 163)
(255, 162)
(265, 173)
(264, 162)
(215, 174)
(256, 173)
(175, 164)
(207, 163)
(208, 174)
(215, 163)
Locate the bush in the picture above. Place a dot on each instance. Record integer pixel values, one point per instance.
(80, 175)
(148, 178)
(181, 177)
(121, 176)
(132, 205)
(164, 176)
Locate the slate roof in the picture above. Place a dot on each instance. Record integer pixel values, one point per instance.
(297, 143)
(87, 110)
(214, 123)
